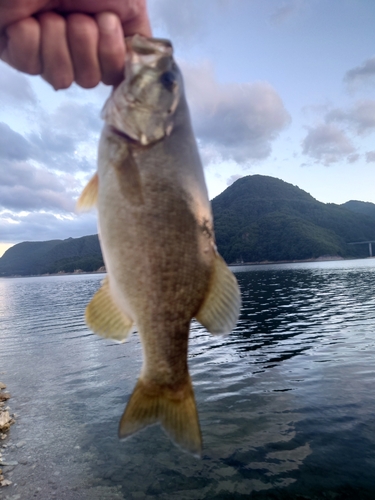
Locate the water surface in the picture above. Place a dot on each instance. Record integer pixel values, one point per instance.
(286, 402)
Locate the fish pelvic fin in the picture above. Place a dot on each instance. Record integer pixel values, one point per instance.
(89, 195)
(220, 309)
(105, 318)
(176, 412)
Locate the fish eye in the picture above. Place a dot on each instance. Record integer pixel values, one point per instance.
(168, 80)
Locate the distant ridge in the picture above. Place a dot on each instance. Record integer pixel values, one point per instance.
(257, 219)
(45, 257)
(260, 218)
(360, 207)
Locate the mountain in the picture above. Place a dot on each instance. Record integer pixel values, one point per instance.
(41, 257)
(257, 218)
(360, 207)
(262, 218)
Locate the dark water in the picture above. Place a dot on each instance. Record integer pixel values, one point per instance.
(286, 403)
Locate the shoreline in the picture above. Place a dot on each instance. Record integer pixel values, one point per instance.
(298, 261)
(52, 274)
(233, 264)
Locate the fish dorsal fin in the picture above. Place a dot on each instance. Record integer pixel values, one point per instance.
(220, 309)
(89, 195)
(105, 318)
(177, 415)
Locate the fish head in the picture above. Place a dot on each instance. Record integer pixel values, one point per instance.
(143, 105)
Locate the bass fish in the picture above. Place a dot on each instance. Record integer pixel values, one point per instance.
(157, 238)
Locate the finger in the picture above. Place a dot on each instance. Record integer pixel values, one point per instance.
(83, 38)
(57, 63)
(111, 49)
(132, 13)
(22, 49)
(139, 24)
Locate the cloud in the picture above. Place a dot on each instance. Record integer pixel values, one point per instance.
(65, 140)
(327, 144)
(285, 11)
(13, 146)
(24, 187)
(361, 117)
(63, 131)
(370, 156)
(187, 22)
(15, 88)
(363, 74)
(353, 158)
(44, 226)
(82, 119)
(48, 140)
(181, 20)
(38, 168)
(233, 178)
(237, 121)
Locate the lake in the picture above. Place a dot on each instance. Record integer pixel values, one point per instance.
(286, 402)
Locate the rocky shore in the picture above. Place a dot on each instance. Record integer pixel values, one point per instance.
(6, 420)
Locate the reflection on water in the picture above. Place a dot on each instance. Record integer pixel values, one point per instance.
(286, 402)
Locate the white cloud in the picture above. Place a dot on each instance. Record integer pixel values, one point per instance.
(41, 156)
(285, 11)
(237, 121)
(15, 88)
(370, 156)
(361, 75)
(26, 187)
(361, 117)
(327, 144)
(82, 119)
(353, 158)
(39, 226)
(182, 20)
(13, 146)
(233, 178)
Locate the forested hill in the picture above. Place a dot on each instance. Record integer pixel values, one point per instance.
(257, 219)
(262, 218)
(360, 207)
(41, 257)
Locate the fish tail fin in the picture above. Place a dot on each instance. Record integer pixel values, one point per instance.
(176, 412)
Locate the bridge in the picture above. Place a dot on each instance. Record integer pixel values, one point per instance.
(369, 243)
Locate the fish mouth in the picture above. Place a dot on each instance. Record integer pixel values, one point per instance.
(144, 51)
(129, 139)
(140, 46)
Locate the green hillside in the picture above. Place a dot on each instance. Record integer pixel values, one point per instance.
(263, 218)
(40, 257)
(360, 207)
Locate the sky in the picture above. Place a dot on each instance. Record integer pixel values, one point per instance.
(284, 88)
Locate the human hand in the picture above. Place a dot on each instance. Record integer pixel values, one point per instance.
(70, 40)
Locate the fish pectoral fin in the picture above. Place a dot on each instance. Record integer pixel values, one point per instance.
(105, 318)
(89, 195)
(177, 415)
(220, 309)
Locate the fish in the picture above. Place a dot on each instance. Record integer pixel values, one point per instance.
(157, 238)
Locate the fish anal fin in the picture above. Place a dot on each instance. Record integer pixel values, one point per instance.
(176, 413)
(89, 195)
(220, 309)
(105, 318)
